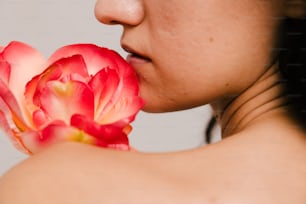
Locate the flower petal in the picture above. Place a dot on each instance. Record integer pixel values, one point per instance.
(8, 126)
(122, 112)
(60, 95)
(57, 133)
(104, 85)
(61, 100)
(95, 57)
(25, 63)
(106, 135)
(40, 119)
(10, 102)
(52, 134)
(5, 71)
(65, 69)
(125, 103)
(11, 121)
(28, 103)
(114, 100)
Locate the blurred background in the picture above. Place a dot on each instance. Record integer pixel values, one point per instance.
(50, 24)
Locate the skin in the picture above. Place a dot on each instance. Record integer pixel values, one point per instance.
(211, 51)
(192, 44)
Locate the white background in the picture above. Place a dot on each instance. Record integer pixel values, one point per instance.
(50, 24)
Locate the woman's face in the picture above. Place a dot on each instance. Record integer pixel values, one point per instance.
(188, 53)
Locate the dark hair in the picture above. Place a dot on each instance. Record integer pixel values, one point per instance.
(291, 56)
(292, 65)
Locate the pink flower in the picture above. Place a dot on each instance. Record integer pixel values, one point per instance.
(82, 93)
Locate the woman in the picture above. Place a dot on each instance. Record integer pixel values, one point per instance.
(189, 53)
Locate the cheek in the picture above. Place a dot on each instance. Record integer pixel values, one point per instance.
(201, 62)
(199, 78)
(179, 85)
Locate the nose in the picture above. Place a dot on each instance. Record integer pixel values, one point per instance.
(124, 12)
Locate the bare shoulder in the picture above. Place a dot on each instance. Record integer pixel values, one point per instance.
(78, 174)
(225, 173)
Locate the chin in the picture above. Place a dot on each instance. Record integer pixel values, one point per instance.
(153, 109)
(163, 107)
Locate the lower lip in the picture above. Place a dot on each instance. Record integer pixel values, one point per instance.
(133, 60)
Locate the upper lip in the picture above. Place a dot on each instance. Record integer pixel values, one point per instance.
(133, 52)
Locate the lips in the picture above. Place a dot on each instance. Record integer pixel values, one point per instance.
(135, 57)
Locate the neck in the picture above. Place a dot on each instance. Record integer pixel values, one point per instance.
(260, 99)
